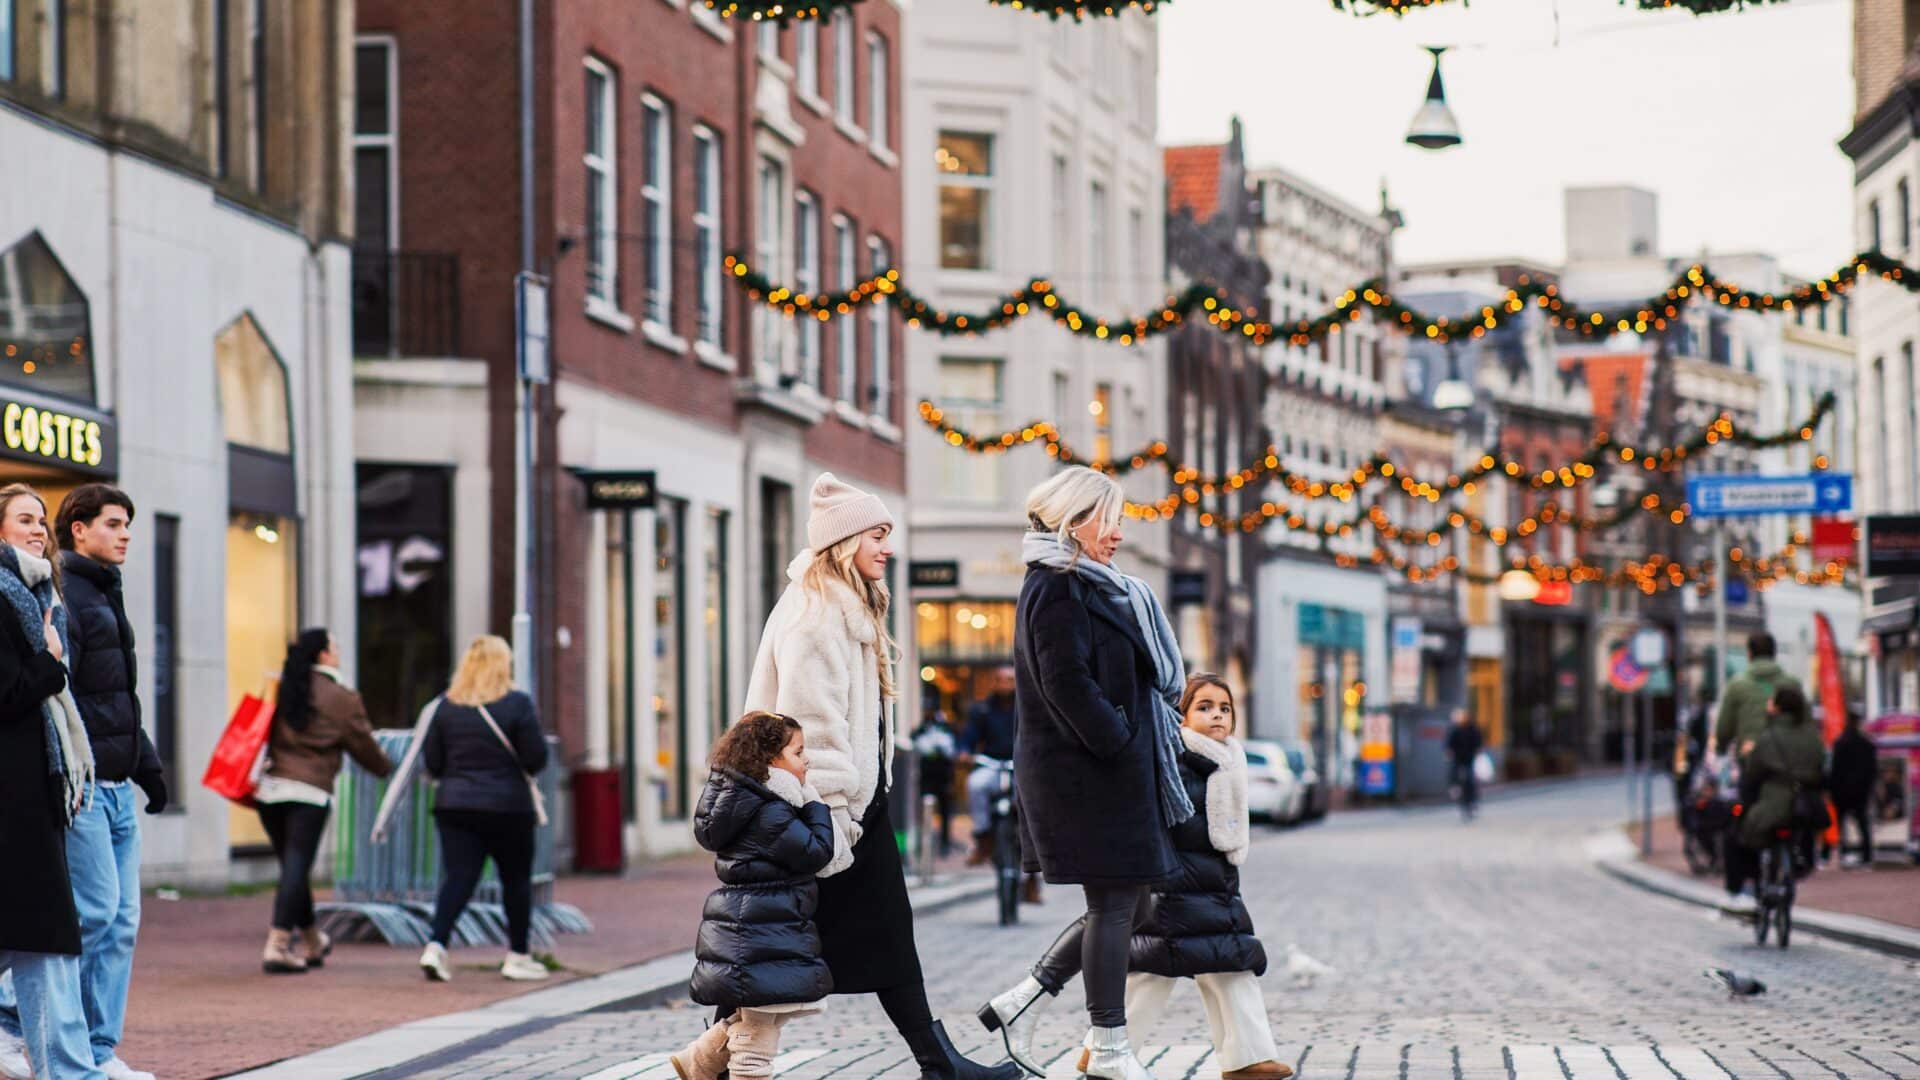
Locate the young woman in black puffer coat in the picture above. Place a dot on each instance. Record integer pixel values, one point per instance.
(758, 957)
(1195, 924)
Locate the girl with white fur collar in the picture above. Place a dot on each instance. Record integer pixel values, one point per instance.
(1195, 923)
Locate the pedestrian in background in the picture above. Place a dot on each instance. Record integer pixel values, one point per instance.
(827, 660)
(1463, 748)
(1195, 924)
(46, 777)
(484, 745)
(758, 958)
(1780, 784)
(991, 723)
(934, 747)
(1743, 708)
(316, 718)
(1851, 780)
(1099, 679)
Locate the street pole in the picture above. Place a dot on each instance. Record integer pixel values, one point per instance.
(1646, 777)
(1717, 536)
(1627, 740)
(523, 644)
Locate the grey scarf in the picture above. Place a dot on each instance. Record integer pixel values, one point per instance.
(1170, 674)
(26, 581)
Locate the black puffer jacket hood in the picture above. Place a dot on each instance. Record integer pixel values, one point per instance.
(1195, 922)
(104, 674)
(758, 945)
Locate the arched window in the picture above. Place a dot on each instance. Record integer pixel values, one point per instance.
(253, 388)
(46, 336)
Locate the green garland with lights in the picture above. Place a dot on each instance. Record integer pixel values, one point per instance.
(779, 11)
(1698, 7)
(1218, 309)
(1078, 10)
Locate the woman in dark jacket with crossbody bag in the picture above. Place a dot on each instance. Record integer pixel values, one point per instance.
(484, 745)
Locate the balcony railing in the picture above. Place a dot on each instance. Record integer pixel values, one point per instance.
(406, 303)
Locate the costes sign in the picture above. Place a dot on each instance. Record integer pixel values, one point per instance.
(68, 438)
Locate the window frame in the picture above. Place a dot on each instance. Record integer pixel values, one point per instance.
(388, 141)
(964, 479)
(1099, 242)
(1903, 201)
(257, 50)
(879, 112)
(709, 285)
(981, 181)
(846, 261)
(806, 58)
(656, 208)
(846, 74)
(806, 279)
(880, 370)
(604, 161)
(10, 23)
(770, 249)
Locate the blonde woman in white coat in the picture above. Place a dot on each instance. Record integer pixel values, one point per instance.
(827, 660)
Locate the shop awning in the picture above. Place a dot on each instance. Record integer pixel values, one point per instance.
(1892, 618)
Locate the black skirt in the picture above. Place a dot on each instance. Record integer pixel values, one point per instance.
(865, 918)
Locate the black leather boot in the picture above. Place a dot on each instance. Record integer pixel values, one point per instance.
(940, 1061)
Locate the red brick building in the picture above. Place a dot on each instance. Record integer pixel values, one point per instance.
(665, 139)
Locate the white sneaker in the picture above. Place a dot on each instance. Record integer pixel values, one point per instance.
(13, 1059)
(1743, 902)
(115, 1069)
(433, 961)
(523, 968)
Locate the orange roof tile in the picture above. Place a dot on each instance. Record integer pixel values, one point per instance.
(1615, 381)
(1193, 179)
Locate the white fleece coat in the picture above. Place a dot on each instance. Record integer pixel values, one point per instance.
(1229, 826)
(819, 663)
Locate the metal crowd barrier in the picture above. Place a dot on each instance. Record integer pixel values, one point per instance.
(385, 891)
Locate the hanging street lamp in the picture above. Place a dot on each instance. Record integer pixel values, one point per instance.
(1434, 127)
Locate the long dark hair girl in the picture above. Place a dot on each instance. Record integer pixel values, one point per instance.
(294, 706)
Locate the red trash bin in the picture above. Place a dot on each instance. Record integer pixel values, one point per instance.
(597, 846)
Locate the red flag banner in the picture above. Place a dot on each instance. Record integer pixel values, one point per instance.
(1833, 693)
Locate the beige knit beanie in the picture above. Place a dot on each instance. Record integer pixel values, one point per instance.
(841, 510)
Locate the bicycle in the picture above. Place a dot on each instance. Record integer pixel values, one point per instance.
(1774, 889)
(1006, 839)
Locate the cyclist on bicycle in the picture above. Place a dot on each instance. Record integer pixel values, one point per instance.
(1780, 784)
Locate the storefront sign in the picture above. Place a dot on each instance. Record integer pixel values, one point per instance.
(1337, 627)
(943, 574)
(1189, 587)
(620, 490)
(1834, 540)
(1623, 674)
(1554, 593)
(65, 437)
(1893, 545)
(1404, 658)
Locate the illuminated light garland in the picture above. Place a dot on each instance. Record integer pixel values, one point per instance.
(1219, 311)
(1386, 7)
(779, 11)
(1722, 431)
(1698, 7)
(1080, 9)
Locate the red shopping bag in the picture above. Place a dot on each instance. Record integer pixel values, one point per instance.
(234, 770)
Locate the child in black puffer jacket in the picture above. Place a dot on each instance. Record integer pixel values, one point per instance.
(758, 954)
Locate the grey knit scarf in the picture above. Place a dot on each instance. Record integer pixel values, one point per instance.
(1170, 673)
(26, 581)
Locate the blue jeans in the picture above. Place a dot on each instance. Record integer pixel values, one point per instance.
(103, 862)
(55, 1025)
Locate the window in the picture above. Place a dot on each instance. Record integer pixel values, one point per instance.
(718, 626)
(1913, 413)
(1904, 200)
(375, 129)
(772, 234)
(656, 208)
(1062, 212)
(846, 332)
(844, 89)
(221, 46)
(672, 782)
(970, 390)
(965, 163)
(164, 651)
(1137, 241)
(707, 176)
(1098, 264)
(45, 325)
(769, 40)
(6, 39)
(403, 543)
(603, 202)
(253, 389)
(1101, 407)
(877, 73)
(776, 538)
(54, 45)
(806, 278)
(1063, 401)
(806, 57)
(880, 382)
(257, 31)
(1873, 225)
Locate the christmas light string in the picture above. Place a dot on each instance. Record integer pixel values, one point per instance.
(1217, 308)
(1077, 10)
(785, 10)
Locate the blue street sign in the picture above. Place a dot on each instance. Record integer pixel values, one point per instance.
(1734, 494)
(1737, 591)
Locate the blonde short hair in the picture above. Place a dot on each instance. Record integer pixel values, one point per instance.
(486, 672)
(1071, 498)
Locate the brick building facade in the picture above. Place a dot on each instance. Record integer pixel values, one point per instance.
(666, 138)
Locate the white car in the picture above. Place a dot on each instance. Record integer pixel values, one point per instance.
(1274, 793)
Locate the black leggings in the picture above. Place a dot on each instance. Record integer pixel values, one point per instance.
(294, 829)
(1096, 944)
(467, 838)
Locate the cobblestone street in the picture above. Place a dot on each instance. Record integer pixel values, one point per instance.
(1490, 950)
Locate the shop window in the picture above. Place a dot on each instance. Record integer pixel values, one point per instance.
(405, 529)
(263, 614)
(776, 538)
(674, 772)
(163, 654)
(963, 632)
(46, 339)
(718, 627)
(253, 389)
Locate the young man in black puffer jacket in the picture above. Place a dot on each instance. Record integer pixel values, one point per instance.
(758, 956)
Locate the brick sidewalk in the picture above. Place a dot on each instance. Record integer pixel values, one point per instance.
(1889, 892)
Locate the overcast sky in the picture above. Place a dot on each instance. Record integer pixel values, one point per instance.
(1732, 119)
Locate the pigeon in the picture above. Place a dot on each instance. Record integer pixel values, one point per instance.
(1736, 984)
(1304, 968)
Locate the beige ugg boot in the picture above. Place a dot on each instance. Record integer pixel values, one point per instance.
(753, 1042)
(705, 1057)
(318, 944)
(279, 958)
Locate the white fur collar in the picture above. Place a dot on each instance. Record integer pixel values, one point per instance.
(839, 594)
(1229, 826)
(788, 787)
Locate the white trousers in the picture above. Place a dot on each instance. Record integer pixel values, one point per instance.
(1236, 1013)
